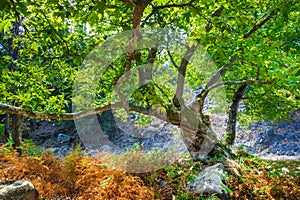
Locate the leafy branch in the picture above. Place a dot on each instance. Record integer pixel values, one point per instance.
(157, 8)
(258, 26)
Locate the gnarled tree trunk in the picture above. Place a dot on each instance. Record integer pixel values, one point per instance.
(197, 133)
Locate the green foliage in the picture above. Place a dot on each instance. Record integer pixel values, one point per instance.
(104, 183)
(228, 190)
(71, 162)
(43, 45)
(182, 195)
(259, 178)
(29, 148)
(134, 148)
(9, 145)
(2, 129)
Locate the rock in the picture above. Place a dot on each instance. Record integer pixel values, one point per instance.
(64, 150)
(63, 138)
(277, 139)
(106, 148)
(209, 181)
(54, 149)
(285, 170)
(18, 190)
(265, 137)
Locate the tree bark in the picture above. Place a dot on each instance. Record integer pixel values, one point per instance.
(197, 133)
(6, 127)
(232, 116)
(16, 132)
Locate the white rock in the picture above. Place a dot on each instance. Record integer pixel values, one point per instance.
(285, 170)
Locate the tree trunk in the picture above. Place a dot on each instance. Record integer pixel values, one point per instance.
(232, 116)
(198, 135)
(6, 128)
(16, 132)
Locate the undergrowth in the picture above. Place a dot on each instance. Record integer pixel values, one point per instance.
(75, 177)
(82, 177)
(255, 178)
(249, 177)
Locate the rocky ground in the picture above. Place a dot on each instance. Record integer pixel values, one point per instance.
(264, 138)
(272, 140)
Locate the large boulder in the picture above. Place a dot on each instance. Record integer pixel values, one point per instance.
(209, 181)
(18, 190)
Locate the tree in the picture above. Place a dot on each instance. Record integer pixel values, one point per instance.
(254, 44)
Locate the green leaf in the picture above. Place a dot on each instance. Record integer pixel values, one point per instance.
(226, 188)
(34, 46)
(4, 4)
(104, 183)
(6, 24)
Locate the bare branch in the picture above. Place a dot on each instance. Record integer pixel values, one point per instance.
(214, 79)
(201, 97)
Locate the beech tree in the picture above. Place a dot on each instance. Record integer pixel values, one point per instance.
(254, 44)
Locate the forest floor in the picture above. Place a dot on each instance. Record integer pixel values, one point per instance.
(77, 176)
(84, 177)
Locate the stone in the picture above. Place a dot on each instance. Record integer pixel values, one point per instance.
(64, 150)
(63, 138)
(18, 190)
(274, 139)
(54, 149)
(106, 148)
(209, 181)
(265, 137)
(285, 170)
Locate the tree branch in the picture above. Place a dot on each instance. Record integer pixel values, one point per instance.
(221, 72)
(155, 9)
(172, 60)
(223, 69)
(258, 26)
(129, 2)
(216, 13)
(77, 115)
(236, 83)
(57, 33)
(65, 116)
(7, 49)
(182, 73)
(150, 60)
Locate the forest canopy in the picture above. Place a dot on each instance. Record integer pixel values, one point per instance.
(253, 45)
